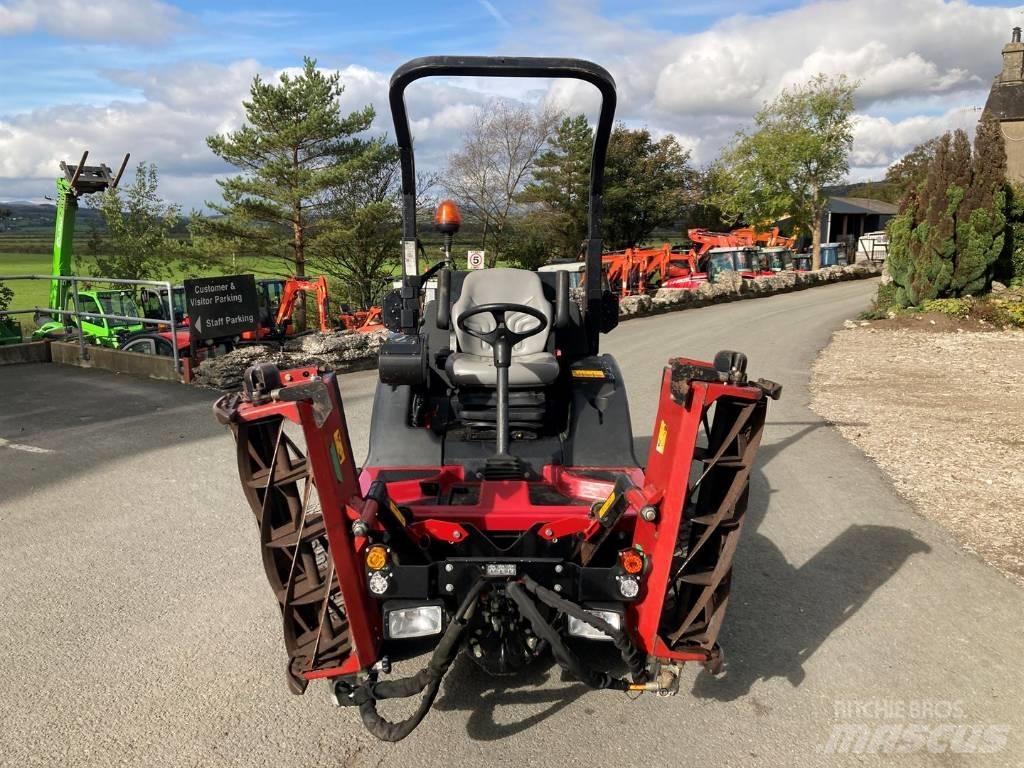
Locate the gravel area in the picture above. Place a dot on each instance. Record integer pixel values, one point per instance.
(943, 415)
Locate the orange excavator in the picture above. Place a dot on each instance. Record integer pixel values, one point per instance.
(293, 286)
(361, 321)
(768, 238)
(633, 270)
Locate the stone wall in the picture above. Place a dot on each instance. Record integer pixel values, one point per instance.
(732, 287)
(341, 351)
(347, 351)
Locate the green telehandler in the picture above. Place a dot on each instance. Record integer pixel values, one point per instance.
(81, 180)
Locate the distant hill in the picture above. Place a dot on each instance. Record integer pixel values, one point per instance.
(36, 219)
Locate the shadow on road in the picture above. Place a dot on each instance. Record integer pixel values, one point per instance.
(82, 419)
(469, 689)
(781, 614)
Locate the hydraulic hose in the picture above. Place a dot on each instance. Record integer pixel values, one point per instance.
(631, 655)
(563, 655)
(427, 679)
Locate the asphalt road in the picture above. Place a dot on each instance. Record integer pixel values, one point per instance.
(137, 627)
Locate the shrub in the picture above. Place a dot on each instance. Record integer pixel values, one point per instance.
(886, 300)
(6, 297)
(950, 230)
(954, 307)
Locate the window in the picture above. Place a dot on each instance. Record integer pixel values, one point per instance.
(119, 303)
(88, 304)
(141, 346)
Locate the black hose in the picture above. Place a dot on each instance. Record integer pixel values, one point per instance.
(563, 655)
(427, 679)
(631, 655)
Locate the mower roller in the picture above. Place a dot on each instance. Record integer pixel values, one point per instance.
(501, 511)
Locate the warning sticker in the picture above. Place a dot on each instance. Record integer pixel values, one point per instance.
(337, 453)
(659, 446)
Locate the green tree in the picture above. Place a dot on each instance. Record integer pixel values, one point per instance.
(950, 230)
(294, 151)
(362, 245)
(1010, 266)
(5, 214)
(494, 165)
(911, 170)
(647, 185)
(137, 244)
(560, 189)
(800, 144)
(981, 218)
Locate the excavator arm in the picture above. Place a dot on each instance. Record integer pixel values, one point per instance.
(292, 288)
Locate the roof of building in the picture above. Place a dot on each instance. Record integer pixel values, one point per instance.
(861, 205)
(1005, 102)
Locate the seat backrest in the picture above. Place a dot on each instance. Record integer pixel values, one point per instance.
(509, 286)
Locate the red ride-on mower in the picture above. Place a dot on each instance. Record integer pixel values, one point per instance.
(501, 510)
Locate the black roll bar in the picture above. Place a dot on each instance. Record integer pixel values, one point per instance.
(504, 66)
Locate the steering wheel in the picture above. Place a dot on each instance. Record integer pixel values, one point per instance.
(502, 338)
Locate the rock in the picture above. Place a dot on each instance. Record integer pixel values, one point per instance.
(339, 351)
(998, 287)
(631, 306)
(669, 298)
(225, 372)
(731, 282)
(849, 324)
(336, 350)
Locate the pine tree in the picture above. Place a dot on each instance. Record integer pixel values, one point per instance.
(932, 242)
(561, 187)
(950, 231)
(295, 150)
(901, 228)
(981, 219)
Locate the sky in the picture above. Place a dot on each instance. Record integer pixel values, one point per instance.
(155, 78)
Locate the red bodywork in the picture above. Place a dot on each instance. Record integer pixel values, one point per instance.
(505, 505)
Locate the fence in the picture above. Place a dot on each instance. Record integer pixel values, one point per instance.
(76, 312)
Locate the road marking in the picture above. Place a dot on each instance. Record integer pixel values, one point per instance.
(21, 447)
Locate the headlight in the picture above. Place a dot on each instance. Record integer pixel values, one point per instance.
(578, 628)
(418, 621)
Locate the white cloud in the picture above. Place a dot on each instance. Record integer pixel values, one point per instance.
(108, 20)
(920, 62)
(879, 141)
(179, 107)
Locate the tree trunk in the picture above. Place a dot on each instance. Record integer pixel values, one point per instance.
(299, 251)
(816, 239)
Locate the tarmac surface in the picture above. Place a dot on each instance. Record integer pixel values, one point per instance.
(137, 627)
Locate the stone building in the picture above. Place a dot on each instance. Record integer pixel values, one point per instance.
(1006, 104)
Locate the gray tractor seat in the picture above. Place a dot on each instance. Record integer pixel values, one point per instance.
(473, 364)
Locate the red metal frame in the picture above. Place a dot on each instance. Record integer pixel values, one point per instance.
(504, 505)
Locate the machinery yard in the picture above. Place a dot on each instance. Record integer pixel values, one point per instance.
(359, 421)
(826, 615)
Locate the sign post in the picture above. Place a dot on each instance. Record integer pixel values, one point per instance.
(475, 260)
(221, 307)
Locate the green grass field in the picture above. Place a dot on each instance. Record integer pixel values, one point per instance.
(27, 293)
(35, 293)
